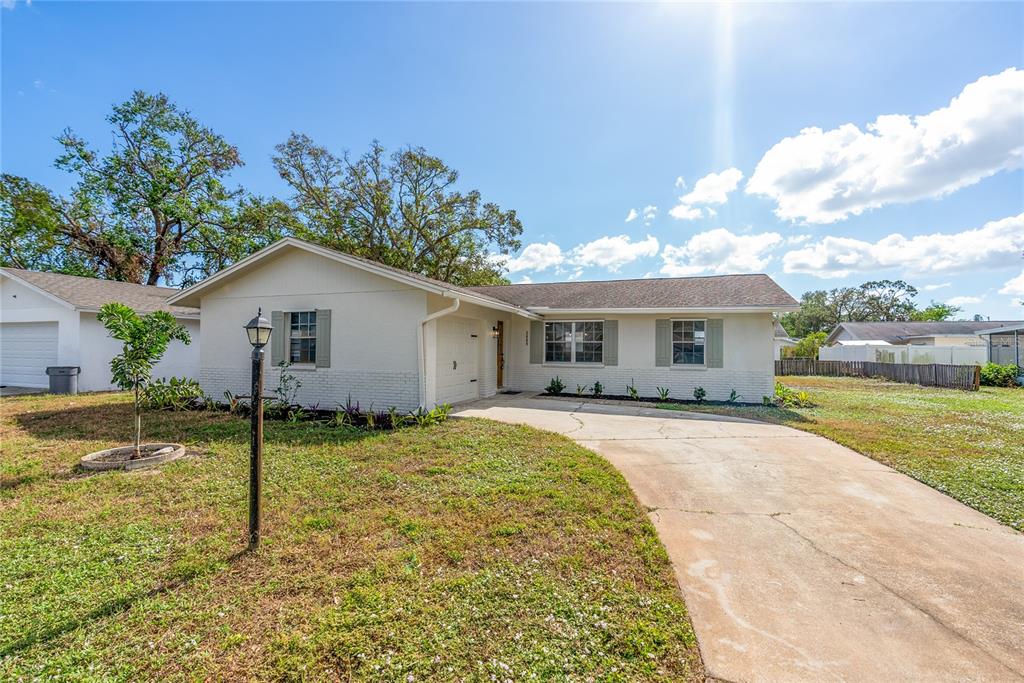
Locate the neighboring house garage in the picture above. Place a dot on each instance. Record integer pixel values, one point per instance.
(49, 319)
(26, 350)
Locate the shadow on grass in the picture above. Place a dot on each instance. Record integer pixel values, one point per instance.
(113, 423)
(111, 608)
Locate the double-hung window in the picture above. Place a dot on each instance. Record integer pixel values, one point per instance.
(302, 337)
(574, 341)
(688, 337)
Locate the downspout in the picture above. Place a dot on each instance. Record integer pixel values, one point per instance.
(421, 339)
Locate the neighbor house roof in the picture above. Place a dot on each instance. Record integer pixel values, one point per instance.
(1003, 329)
(896, 332)
(780, 331)
(89, 294)
(714, 292)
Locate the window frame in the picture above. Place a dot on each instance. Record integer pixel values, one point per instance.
(572, 342)
(288, 338)
(673, 342)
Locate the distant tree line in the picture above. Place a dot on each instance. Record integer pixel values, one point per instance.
(875, 301)
(157, 207)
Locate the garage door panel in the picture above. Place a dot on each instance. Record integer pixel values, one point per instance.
(457, 348)
(26, 349)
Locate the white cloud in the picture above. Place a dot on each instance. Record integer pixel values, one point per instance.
(797, 239)
(719, 251)
(1014, 286)
(963, 300)
(996, 244)
(826, 176)
(932, 288)
(680, 183)
(612, 252)
(524, 280)
(11, 4)
(714, 188)
(536, 257)
(685, 213)
(650, 213)
(632, 215)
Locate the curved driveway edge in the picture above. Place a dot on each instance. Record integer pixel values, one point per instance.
(800, 559)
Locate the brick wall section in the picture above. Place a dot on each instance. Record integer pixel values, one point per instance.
(324, 386)
(718, 383)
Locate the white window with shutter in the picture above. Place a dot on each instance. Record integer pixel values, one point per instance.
(302, 337)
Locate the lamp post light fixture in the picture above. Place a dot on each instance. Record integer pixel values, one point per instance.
(258, 329)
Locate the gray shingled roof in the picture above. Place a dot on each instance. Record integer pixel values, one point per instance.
(90, 293)
(715, 291)
(894, 332)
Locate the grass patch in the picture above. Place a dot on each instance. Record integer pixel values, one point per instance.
(463, 551)
(968, 445)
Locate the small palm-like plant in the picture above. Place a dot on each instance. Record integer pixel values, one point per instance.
(144, 340)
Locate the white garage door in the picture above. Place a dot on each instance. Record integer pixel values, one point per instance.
(25, 351)
(456, 359)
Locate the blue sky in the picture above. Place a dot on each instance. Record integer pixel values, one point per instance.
(580, 115)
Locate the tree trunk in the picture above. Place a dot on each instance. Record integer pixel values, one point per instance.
(138, 423)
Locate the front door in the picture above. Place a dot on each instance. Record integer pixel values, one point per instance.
(501, 354)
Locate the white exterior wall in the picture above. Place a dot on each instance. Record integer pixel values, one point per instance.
(97, 348)
(748, 365)
(21, 304)
(374, 324)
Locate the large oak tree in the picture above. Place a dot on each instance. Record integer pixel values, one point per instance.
(402, 209)
(154, 208)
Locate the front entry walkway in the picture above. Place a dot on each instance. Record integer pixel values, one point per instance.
(802, 560)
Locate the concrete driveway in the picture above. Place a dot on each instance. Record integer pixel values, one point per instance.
(802, 560)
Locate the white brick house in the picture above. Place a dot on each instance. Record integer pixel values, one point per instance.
(354, 328)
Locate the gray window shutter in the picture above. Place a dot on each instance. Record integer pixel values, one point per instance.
(714, 355)
(611, 342)
(277, 337)
(662, 343)
(536, 342)
(323, 338)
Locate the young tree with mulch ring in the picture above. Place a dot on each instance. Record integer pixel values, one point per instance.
(145, 339)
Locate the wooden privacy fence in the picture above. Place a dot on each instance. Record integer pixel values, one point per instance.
(966, 377)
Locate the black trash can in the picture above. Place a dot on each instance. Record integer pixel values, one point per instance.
(63, 379)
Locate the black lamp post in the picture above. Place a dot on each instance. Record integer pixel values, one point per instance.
(258, 329)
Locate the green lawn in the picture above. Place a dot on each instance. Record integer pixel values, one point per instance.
(470, 550)
(969, 445)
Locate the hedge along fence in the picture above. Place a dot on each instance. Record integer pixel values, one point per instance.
(966, 377)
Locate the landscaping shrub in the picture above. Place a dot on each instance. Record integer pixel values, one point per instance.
(788, 398)
(598, 389)
(555, 386)
(994, 375)
(699, 394)
(632, 391)
(176, 393)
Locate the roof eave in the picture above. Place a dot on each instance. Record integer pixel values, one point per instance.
(664, 310)
(196, 289)
(39, 290)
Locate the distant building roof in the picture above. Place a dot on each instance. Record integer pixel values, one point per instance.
(1012, 327)
(89, 294)
(780, 331)
(714, 291)
(898, 332)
